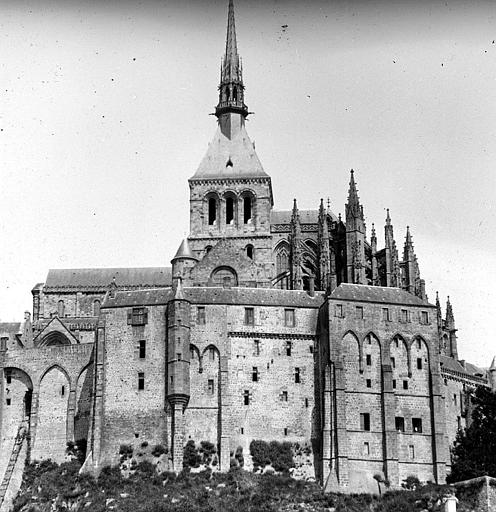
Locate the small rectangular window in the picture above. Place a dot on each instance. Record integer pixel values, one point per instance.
(311, 349)
(424, 317)
(285, 431)
(200, 315)
(211, 354)
(179, 356)
(459, 422)
(62, 391)
(385, 314)
(417, 425)
(297, 376)
(404, 315)
(368, 358)
(306, 402)
(419, 363)
(141, 381)
(256, 348)
(365, 421)
(454, 399)
(419, 344)
(393, 362)
(394, 383)
(411, 451)
(249, 316)
(284, 396)
(338, 311)
(366, 448)
(246, 397)
(368, 383)
(399, 423)
(288, 348)
(359, 312)
(9, 401)
(8, 376)
(210, 386)
(137, 316)
(242, 430)
(254, 374)
(289, 317)
(142, 349)
(405, 384)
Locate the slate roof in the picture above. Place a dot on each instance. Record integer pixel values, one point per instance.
(448, 363)
(380, 294)
(239, 151)
(217, 295)
(306, 216)
(98, 279)
(10, 327)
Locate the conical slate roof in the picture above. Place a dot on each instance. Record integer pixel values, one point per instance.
(184, 251)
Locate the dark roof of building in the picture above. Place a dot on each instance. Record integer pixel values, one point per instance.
(380, 294)
(10, 327)
(100, 278)
(306, 216)
(215, 295)
(448, 363)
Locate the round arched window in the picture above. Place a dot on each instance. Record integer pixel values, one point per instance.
(224, 276)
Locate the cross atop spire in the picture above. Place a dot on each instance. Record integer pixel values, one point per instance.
(231, 88)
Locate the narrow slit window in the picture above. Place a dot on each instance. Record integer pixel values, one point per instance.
(288, 348)
(247, 210)
(229, 211)
(249, 316)
(246, 397)
(200, 315)
(254, 374)
(297, 376)
(141, 381)
(365, 421)
(210, 386)
(142, 349)
(212, 211)
(419, 363)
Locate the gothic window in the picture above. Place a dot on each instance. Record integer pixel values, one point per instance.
(60, 308)
(212, 211)
(235, 94)
(96, 307)
(282, 265)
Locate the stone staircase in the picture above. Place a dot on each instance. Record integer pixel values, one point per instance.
(19, 439)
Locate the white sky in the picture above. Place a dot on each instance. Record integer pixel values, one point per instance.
(104, 115)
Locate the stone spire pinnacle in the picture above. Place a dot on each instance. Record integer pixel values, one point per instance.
(353, 200)
(231, 88)
(450, 318)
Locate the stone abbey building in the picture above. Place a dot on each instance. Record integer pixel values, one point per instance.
(270, 324)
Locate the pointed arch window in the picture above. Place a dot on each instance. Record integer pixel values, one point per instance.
(235, 94)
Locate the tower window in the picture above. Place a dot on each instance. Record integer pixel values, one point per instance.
(404, 315)
(254, 374)
(9, 401)
(141, 381)
(359, 312)
(62, 391)
(247, 210)
(419, 344)
(212, 211)
(246, 397)
(249, 316)
(306, 402)
(200, 315)
(369, 360)
(8, 376)
(137, 316)
(385, 314)
(210, 386)
(96, 308)
(417, 425)
(366, 448)
(365, 421)
(297, 376)
(338, 311)
(256, 347)
(289, 317)
(142, 349)
(211, 353)
(249, 251)
(399, 424)
(419, 363)
(288, 348)
(405, 384)
(411, 451)
(284, 396)
(368, 383)
(424, 317)
(285, 431)
(230, 210)
(394, 383)
(393, 362)
(235, 94)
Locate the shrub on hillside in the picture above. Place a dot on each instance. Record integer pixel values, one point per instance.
(191, 457)
(159, 450)
(278, 455)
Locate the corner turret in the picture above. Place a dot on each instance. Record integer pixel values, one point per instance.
(182, 263)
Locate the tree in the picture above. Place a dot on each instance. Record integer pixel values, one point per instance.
(474, 450)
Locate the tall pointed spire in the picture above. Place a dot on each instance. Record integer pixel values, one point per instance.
(295, 249)
(231, 88)
(355, 236)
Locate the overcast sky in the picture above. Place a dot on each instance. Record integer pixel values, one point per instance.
(104, 114)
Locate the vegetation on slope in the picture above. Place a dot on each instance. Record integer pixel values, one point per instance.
(50, 487)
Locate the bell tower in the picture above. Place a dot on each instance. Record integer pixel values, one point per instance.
(230, 193)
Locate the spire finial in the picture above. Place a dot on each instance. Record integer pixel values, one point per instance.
(231, 89)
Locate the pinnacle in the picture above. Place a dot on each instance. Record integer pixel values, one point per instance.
(493, 364)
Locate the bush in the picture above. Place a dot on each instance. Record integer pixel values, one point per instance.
(158, 450)
(191, 457)
(110, 478)
(279, 455)
(411, 483)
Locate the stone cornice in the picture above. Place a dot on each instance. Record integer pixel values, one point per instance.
(276, 335)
